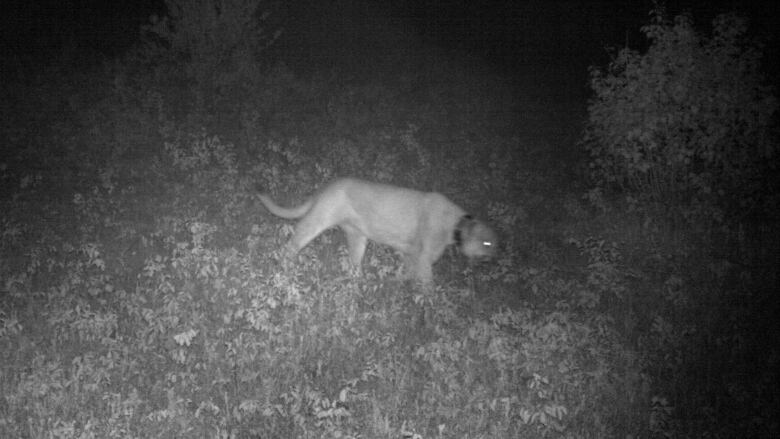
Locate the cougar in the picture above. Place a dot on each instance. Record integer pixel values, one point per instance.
(418, 224)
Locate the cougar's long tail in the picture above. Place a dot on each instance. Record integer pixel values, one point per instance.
(291, 213)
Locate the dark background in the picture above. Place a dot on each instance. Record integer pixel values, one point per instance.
(509, 35)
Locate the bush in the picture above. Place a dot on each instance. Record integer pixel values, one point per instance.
(687, 125)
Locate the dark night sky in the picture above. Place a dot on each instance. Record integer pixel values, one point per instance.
(507, 33)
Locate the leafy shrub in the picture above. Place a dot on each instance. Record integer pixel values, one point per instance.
(688, 123)
(521, 372)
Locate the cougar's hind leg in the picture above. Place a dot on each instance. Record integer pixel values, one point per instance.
(356, 242)
(306, 230)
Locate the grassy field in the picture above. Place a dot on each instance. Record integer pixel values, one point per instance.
(142, 293)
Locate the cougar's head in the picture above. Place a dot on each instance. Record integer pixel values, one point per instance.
(475, 239)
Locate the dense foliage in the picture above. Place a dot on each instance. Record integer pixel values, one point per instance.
(689, 123)
(687, 133)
